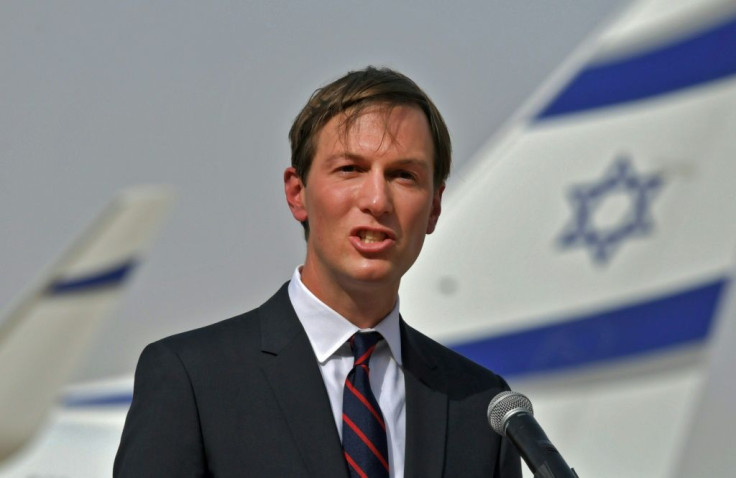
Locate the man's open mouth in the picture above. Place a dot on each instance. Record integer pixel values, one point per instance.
(371, 236)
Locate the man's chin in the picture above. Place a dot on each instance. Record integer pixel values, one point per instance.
(375, 275)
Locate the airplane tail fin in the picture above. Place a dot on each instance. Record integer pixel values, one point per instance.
(44, 335)
(585, 254)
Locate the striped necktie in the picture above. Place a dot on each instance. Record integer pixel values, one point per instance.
(363, 429)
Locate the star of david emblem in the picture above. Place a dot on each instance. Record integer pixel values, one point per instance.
(611, 210)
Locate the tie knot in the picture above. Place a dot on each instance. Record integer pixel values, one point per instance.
(363, 345)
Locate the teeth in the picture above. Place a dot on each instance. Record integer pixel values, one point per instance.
(372, 236)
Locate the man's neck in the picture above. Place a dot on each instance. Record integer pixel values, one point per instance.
(364, 305)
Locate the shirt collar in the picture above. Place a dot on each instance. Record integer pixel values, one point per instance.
(328, 331)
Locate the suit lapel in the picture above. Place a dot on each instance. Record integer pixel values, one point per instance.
(426, 409)
(293, 373)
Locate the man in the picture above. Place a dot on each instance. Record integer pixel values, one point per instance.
(325, 379)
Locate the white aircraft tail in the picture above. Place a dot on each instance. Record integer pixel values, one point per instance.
(587, 252)
(45, 334)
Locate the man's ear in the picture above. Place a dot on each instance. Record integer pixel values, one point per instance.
(294, 190)
(434, 214)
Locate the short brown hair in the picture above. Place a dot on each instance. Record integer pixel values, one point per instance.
(351, 94)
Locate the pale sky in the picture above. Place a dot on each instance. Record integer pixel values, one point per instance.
(101, 95)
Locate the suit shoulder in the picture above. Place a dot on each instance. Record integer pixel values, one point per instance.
(237, 336)
(457, 369)
(241, 328)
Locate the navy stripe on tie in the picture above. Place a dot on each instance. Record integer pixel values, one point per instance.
(363, 428)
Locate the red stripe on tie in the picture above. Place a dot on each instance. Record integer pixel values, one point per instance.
(366, 355)
(355, 466)
(365, 439)
(365, 402)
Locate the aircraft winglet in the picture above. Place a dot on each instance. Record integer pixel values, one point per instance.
(45, 334)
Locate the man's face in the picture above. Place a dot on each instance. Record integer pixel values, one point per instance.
(369, 199)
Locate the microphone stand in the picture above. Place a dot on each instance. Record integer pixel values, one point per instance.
(535, 448)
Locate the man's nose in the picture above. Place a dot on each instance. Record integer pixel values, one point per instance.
(375, 195)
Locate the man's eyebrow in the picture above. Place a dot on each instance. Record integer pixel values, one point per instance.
(343, 155)
(413, 162)
(398, 162)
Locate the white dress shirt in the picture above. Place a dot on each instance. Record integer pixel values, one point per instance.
(328, 333)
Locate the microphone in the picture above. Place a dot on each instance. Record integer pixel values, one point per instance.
(510, 414)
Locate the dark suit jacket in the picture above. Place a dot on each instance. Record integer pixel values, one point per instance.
(245, 397)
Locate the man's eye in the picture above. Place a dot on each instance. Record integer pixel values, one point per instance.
(348, 168)
(406, 175)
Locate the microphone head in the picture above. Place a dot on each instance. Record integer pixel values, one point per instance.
(503, 406)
